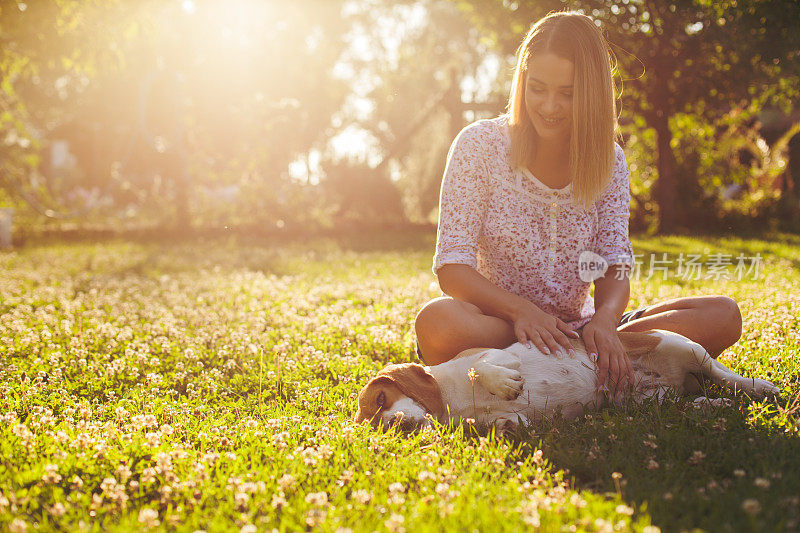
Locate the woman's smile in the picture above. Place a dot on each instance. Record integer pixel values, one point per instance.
(551, 121)
(548, 95)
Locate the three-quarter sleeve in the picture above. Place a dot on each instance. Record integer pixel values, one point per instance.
(613, 212)
(463, 199)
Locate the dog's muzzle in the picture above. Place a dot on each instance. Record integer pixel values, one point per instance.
(404, 423)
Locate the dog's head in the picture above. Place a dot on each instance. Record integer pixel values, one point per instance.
(400, 394)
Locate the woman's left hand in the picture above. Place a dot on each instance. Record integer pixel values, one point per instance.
(601, 338)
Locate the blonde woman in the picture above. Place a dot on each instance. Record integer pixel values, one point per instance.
(524, 195)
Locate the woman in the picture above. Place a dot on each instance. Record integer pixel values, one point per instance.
(524, 195)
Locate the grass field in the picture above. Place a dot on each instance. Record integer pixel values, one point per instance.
(211, 386)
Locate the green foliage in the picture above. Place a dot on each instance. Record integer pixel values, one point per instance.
(194, 111)
(693, 57)
(163, 105)
(211, 385)
(422, 53)
(736, 170)
(42, 61)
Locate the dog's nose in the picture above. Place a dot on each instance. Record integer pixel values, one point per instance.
(403, 422)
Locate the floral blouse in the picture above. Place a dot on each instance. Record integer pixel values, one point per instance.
(520, 234)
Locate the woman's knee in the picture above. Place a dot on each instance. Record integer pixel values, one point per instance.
(440, 313)
(438, 319)
(729, 316)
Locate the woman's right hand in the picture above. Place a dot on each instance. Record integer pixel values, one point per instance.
(548, 333)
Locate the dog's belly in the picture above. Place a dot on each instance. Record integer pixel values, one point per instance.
(552, 384)
(555, 384)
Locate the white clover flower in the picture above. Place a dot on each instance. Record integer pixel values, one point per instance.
(57, 509)
(279, 439)
(278, 501)
(761, 483)
(164, 462)
(18, 525)
(697, 457)
(751, 506)
(149, 518)
(148, 475)
(361, 496)
(51, 475)
(317, 498)
(241, 499)
(425, 475)
(286, 482)
(624, 509)
(395, 523)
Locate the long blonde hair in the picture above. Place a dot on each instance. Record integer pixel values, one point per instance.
(574, 37)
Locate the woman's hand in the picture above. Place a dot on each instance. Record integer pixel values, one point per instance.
(601, 338)
(548, 333)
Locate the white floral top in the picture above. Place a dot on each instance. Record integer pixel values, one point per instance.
(520, 234)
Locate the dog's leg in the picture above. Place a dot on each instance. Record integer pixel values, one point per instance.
(509, 422)
(498, 372)
(706, 403)
(724, 376)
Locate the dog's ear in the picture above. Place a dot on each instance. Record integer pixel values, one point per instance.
(639, 343)
(369, 403)
(416, 383)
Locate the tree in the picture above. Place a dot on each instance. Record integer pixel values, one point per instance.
(683, 56)
(152, 93)
(423, 53)
(41, 62)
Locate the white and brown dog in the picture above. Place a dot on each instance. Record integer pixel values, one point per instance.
(520, 384)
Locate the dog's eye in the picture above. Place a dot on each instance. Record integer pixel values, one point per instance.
(380, 399)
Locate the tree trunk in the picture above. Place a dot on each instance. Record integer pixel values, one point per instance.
(666, 184)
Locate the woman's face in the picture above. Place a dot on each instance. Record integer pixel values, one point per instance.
(548, 95)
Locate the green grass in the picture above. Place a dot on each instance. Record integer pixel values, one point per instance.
(211, 385)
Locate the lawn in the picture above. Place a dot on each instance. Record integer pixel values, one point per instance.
(211, 385)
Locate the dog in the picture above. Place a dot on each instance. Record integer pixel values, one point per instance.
(520, 384)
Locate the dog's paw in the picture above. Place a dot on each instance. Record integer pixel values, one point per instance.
(502, 382)
(707, 403)
(498, 372)
(502, 425)
(508, 423)
(762, 388)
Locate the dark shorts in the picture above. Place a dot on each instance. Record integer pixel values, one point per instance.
(627, 316)
(630, 316)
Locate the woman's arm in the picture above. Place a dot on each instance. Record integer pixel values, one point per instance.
(611, 294)
(531, 324)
